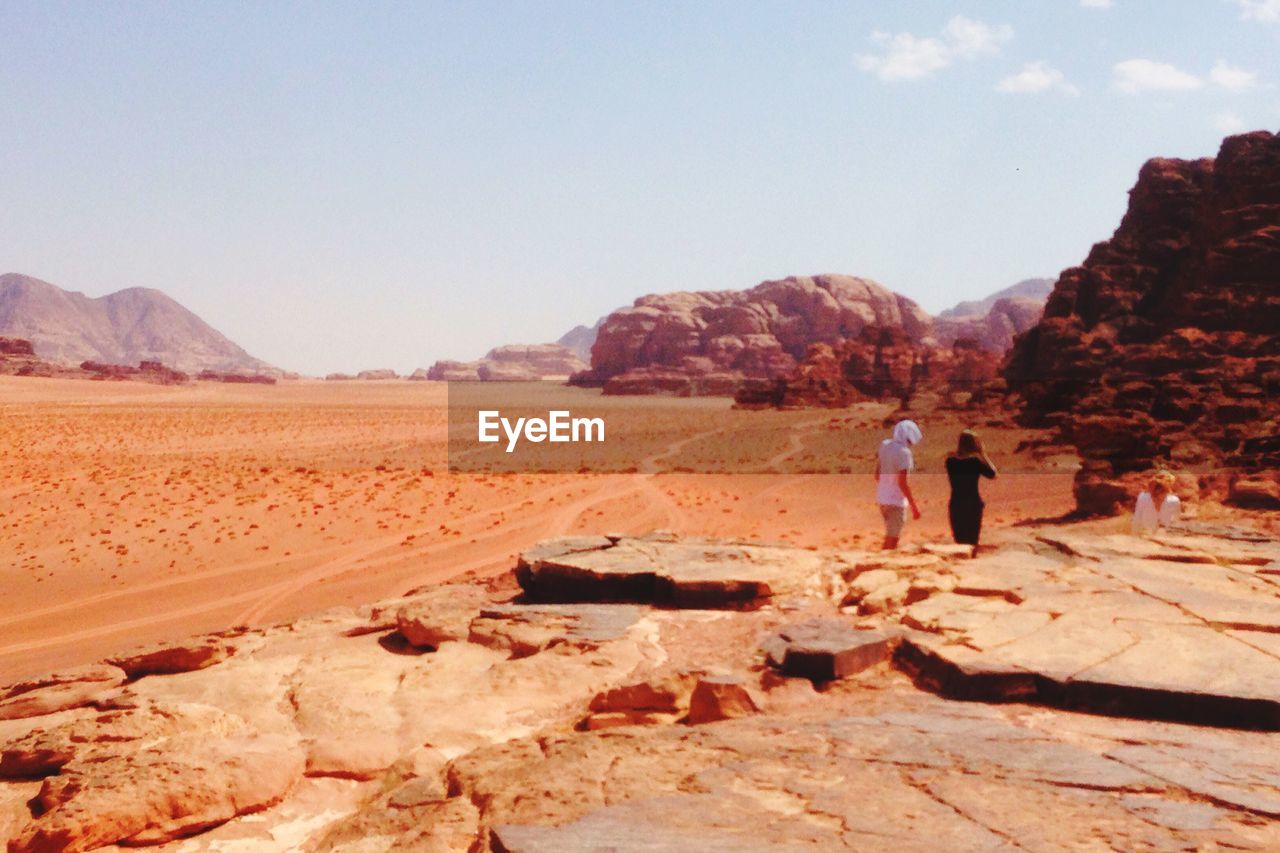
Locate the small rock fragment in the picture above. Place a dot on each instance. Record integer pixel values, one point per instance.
(720, 697)
(825, 649)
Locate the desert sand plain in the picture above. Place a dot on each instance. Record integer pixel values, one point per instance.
(133, 513)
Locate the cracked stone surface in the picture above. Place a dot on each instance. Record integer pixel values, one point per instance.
(1120, 693)
(1182, 627)
(665, 571)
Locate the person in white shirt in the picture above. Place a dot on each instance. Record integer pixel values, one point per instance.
(893, 490)
(1158, 506)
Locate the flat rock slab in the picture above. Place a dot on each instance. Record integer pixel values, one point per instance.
(921, 775)
(528, 629)
(663, 572)
(825, 649)
(1171, 629)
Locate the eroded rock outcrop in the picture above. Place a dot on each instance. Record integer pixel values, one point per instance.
(239, 378)
(18, 358)
(708, 342)
(1164, 345)
(882, 364)
(377, 374)
(146, 371)
(512, 363)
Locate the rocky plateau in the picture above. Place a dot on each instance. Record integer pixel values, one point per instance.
(1069, 688)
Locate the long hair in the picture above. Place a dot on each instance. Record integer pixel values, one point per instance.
(968, 445)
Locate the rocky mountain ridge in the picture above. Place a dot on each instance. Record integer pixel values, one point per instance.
(580, 339)
(1035, 289)
(122, 328)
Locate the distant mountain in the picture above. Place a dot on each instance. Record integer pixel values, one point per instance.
(126, 327)
(580, 338)
(1031, 288)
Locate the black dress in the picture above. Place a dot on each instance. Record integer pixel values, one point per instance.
(966, 504)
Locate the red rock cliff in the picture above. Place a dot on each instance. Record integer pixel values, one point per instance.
(1164, 345)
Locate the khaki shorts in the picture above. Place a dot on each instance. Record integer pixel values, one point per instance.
(894, 519)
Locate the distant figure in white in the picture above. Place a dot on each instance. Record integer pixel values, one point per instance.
(1158, 506)
(893, 490)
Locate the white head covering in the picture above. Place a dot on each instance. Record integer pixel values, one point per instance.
(906, 432)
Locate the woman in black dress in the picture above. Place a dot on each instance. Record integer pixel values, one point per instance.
(963, 470)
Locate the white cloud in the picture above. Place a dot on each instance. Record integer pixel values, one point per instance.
(1142, 75)
(1034, 78)
(1228, 122)
(1232, 78)
(1096, 4)
(969, 38)
(1267, 11)
(905, 56)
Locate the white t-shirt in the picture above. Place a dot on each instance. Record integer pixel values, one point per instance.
(1147, 518)
(894, 457)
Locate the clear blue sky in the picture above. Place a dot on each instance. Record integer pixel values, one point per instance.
(363, 185)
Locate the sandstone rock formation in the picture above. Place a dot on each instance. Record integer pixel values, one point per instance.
(467, 716)
(122, 328)
(883, 364)
(377, 374)
(1163, 347)
(16, 347)
(146, 371)
(512, 363)
(18, 358)
(708, 342)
